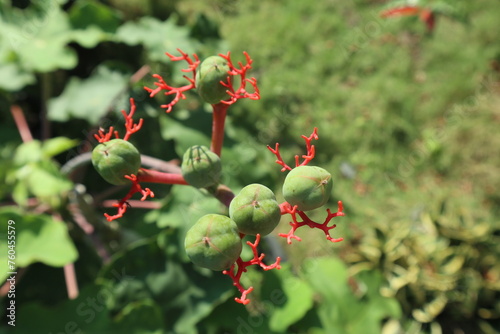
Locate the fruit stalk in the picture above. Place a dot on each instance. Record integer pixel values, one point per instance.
(218, 121)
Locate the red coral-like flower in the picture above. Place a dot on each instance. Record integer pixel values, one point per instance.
(130, 126)
(238, 268)
(193, 63)
(286, 208)
(311, 152)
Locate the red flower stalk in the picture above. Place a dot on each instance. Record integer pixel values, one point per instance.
(241, 267)
(130, 126)
(288, 209)
(426, 15)
(307, 157)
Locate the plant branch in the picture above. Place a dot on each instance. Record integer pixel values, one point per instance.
(22, 125)
(218, 121)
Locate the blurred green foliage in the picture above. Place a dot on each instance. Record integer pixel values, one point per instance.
(408, 124)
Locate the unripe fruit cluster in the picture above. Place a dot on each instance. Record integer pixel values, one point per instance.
(214, 241)
(114, 159)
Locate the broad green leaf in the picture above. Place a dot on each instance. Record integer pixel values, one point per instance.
(13, 77)
(28, 152)
(292, 300)
(45, 47)
(89, 98)
(38, 238)
(158, 37)
(45, 180)
(85, 14)
(184, 293)
(54, 146)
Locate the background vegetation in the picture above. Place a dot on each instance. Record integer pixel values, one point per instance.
(408, 123)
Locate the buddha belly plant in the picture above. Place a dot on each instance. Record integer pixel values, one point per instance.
(215, 240)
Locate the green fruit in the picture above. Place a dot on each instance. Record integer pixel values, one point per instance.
(213, 242)
(255, 210)
(114, 159)
(308, 187)
(201, 167)
(211, 72)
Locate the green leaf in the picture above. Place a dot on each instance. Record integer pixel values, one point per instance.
(89, 98)
(43, 47)
(158, 37)
(143, 317)
(28, 152)
(38, 238)
(13, 77)
(45, 180)
(86, 14)
(54, 146)
(292, 300)
(185, 294)
(341, 310)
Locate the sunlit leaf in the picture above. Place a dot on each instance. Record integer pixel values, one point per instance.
(38, 238)
(88, 99)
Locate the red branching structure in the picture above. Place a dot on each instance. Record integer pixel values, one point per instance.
(122, 205)
(193, 63)
(311, 152)
(219, 109)
(130, 126)
(426, 15)
(238, 268)
(286, 208)
(143, 175)
(306, 221)
(178, 91)
(241, 92)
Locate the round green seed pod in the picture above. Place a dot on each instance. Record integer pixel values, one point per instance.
(255, 210)
(308, 187)
(213, 242)
(201, 167)
(114, 159)
(211, 72)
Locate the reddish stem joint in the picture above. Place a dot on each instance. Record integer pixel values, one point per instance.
(238, 268)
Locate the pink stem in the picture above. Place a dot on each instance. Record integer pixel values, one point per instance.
(149, 175)
(22, 125)
(70, 277)
(219, 118)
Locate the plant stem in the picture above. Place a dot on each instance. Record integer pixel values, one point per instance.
(149, 175)
(71, 283)
(22, 125)
(219, 118)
